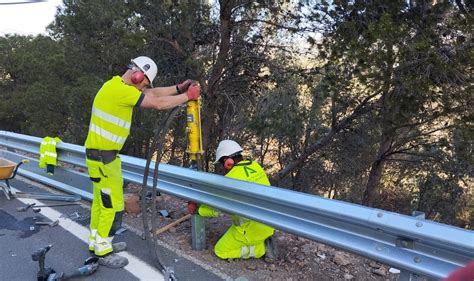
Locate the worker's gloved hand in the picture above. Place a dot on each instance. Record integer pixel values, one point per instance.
(192, 207)
(194, 92)
(183, 87)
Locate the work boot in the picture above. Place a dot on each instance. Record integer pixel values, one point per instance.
(119, 247)
(116, 247)
(113, 261)
(271, 253)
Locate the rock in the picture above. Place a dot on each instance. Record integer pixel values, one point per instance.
(300, 257)
(321, 255)
(252, 266)
(341, 259)
(347, 276)
(272, 267)
(309, 248)
(379, 271)
(172, 230)
(322, 248)
(374, 264)
(183, 240)
(394, 270)
(132, 204)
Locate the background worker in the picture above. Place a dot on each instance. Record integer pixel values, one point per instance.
(245, 238)
(109, 128)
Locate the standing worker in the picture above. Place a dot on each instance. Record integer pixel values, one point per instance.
(109, 128)
(245, 238)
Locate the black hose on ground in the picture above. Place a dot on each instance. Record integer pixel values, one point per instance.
(155, 147)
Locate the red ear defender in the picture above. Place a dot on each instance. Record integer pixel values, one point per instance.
(228, 164)
(137, 77)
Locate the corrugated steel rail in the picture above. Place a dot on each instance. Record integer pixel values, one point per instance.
(412, 244)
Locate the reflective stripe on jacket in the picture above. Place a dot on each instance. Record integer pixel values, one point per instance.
(250, 171)
(48, 155)
(111, 116)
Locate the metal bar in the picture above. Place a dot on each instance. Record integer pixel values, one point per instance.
(435, 249)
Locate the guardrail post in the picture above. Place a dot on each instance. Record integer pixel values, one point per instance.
(406, 275)
(418, 214)
(198, 230)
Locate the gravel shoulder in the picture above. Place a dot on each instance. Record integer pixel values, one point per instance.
(298, 258)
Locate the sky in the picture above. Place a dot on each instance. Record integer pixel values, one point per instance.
(27, 19)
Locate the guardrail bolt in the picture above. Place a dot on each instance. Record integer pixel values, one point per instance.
(417, 259)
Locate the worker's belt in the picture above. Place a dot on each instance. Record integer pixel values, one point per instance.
(104, 156)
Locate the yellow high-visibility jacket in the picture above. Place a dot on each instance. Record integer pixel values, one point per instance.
(48, 155)
(246, 170)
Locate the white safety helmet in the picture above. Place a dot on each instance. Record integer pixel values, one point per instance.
(227, 148)
(148, 66)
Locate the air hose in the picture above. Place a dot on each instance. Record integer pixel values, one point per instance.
(149, 226)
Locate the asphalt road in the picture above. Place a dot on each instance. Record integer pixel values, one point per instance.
(20, 237)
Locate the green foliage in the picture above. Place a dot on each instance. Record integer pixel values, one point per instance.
(354, 100)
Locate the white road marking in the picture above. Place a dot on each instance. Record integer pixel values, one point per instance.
(136, 267)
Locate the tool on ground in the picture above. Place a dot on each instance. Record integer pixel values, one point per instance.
(50, 223)
(47, 196)
(40, 256)
(178, 221)
(37, 209)
(49, 274)
(25, 208)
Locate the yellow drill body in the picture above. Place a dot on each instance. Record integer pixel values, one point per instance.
(193, 129)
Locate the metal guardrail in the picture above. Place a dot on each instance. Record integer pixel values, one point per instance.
(411, 244)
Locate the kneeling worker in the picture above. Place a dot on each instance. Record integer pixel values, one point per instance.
(245, 238)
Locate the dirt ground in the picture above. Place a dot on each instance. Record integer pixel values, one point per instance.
(298, 258)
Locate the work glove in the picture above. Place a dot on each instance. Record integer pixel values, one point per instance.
(192, 207)
(183, 87)
(193, 92)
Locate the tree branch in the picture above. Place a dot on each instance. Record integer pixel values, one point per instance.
(358, 111)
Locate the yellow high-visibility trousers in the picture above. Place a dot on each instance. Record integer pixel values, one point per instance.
(243, 241)
(107, 204)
